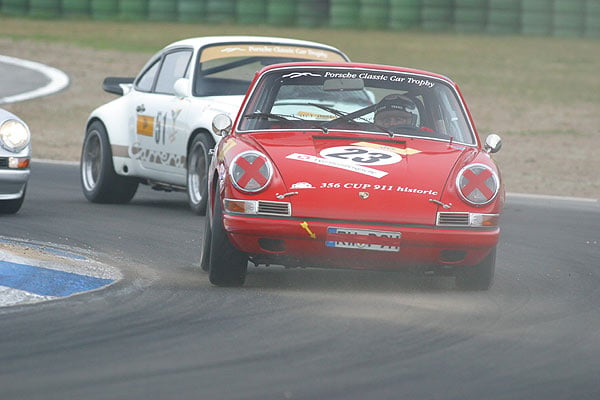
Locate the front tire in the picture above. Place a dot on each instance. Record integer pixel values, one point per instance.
(205, 251)
(99, 181)
(477, 277)
(198, 161)
(227, 265)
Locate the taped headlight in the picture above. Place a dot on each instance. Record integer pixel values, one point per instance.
(14, 135)
(241, 206)
(251, 171)
(484, 220)
(477, 184)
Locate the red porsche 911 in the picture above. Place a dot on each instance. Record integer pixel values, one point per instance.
(349, 165)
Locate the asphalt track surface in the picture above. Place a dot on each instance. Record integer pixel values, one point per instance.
(163, 332)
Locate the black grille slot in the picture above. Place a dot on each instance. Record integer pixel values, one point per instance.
(274, 208)
(447, 218)
(3, 162)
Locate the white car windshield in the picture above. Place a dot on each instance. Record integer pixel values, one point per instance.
(382, 102)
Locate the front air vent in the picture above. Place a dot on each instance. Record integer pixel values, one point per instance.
(3, 162)
(274, 208)
(453, 219)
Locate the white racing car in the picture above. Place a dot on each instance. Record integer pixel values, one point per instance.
(160, 131)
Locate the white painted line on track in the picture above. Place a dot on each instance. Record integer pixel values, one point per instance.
(58, 80)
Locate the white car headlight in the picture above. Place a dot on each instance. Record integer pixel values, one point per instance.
(251, 171)
(14, 135)
(477, 184)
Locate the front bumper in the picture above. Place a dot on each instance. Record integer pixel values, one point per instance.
(297, 242)
(12, 183)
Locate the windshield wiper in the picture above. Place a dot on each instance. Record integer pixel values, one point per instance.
(334, 111)
(257, 115)
(280, 117)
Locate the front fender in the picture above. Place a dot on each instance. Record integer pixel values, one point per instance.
(114, 117)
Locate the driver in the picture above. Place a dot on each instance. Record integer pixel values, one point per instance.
(396, 110)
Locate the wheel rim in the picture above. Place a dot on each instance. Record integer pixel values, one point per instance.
(196, 173)
(91, 161)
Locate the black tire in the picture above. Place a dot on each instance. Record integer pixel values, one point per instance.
(99, 181)
(198, 161)
(227, 265)
(205, 251)
(12, 206)
(477, 277)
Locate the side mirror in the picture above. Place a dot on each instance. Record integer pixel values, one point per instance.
(181, 88)
(222, 125)
(118, 86)
(493, 143)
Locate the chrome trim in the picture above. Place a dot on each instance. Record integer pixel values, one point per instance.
(274, 208)
(453, 219)
(439, 203)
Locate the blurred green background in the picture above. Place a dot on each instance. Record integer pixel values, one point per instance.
(540, 17)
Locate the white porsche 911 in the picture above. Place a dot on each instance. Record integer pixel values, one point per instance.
(160, 131)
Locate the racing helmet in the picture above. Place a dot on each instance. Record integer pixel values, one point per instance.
(399, 103)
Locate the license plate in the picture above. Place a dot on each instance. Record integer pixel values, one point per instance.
(362, 239)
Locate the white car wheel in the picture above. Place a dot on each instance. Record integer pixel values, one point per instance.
(99, 181)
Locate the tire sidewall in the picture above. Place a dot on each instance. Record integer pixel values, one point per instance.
(206, 242)
(109, 187)
(96, 129)
(203, 143)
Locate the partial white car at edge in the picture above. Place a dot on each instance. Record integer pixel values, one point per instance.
(15, 156)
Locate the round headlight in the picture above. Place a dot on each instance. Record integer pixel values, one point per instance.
(251, 171)
(14, 135)
(477, 184)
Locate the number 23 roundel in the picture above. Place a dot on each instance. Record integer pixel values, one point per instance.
(361, 155)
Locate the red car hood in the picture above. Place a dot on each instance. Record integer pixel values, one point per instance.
(361, 177)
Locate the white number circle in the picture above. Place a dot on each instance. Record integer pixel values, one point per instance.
(361, 155)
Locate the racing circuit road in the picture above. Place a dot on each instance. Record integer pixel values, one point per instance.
(163, 332)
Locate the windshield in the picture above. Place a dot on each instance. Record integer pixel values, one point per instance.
(229, 69)
(381, 102)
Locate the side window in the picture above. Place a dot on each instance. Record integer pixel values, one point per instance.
(450, 121)
(146, 80)
(173, 67)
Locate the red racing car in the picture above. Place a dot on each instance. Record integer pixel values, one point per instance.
(350, 165)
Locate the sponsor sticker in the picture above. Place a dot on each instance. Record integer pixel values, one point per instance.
(302, 185)
(268, 50)
(377, 187)
(145, 125)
